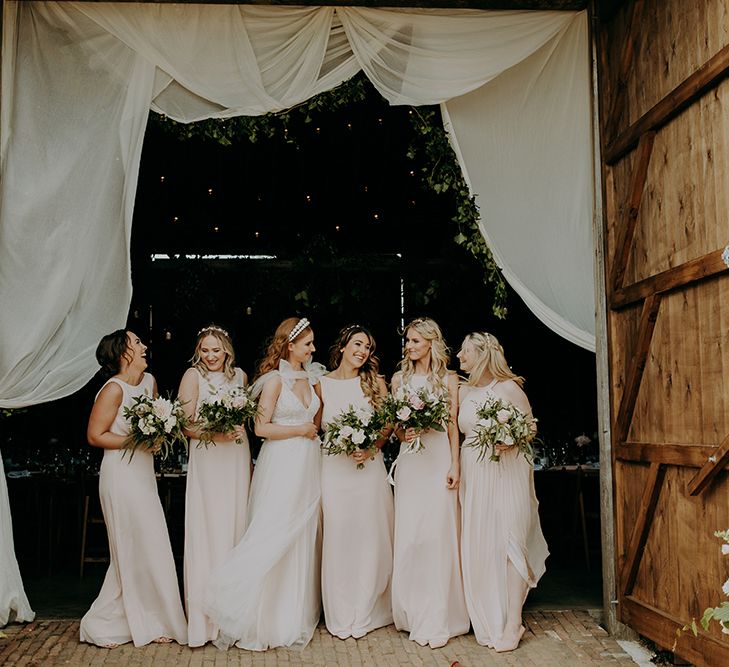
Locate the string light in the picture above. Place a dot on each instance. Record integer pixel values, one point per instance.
(377, 216)
(257, 234)
(412, 173)
(216, 229)
(210, 191)
(366, 188)
(308, 199)
(161, 179)
(337, 227)
(349, 126)
(175, 219)
(318, 130)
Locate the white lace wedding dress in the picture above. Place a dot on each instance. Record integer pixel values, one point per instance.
(14, 604)
(267, 592)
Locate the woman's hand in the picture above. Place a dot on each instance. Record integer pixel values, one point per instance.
(309, 431)
(454, 477)
(501, 448)
(239, 434)
(361, 455)
(410, 435)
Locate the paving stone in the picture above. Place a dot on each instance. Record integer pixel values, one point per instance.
(553, 639)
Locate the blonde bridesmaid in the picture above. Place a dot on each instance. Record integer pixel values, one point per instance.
(139, 600)
(356, 504)
(218, 478)
(427, 591)
(503, 549)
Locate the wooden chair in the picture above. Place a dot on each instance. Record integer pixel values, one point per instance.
(90, 520)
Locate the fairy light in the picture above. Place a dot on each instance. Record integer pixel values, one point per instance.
(210, 191)
(161, 179)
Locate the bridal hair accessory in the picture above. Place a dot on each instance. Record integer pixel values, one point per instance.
(213, 327)
(298, 328)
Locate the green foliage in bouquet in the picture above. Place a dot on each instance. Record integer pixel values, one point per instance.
(421, 409)
(223, 411)
(353, 429)
(502, 423)
(155, 424)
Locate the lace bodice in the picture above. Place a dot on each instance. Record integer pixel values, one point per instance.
(290, 410)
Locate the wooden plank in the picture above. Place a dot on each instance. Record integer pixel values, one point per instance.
(617, 107)
(709, 75)
(715, 462)
(673, 454)
(642, 526)
(701, 268)
(627, 229)
(635, 374)
(660, 627)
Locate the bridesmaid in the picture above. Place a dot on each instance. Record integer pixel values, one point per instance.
(218, 478)
(357, 504)
(139, 600)
(427, 591)
(267, 592)
(502, 545)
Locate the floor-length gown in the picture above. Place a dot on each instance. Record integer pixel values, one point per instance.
(267, 592)
(357, 513)
(14, 605)
(139, 600)
(500, 523)
(216, 502)
(427, 591)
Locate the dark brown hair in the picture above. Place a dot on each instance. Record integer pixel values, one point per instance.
(110, 351)
(369, 371)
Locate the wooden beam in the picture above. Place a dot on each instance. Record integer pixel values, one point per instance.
(661, 628)
(709, 75)
(560, 5)
(667, 453)
(693, 271)
(715, 462)
(627, 229)
(617, 107)
(635, 373)
(642, 526)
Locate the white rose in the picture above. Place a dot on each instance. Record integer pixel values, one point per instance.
(170, 424)
(358, 437)
(403, 413)
(162, 408)
(346, 432)
(485, 423)
(365, 416)
(240, 401)
(503, 416)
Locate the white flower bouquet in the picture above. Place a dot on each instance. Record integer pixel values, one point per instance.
(352, 429)
(223, 410)
(421, 409)
(155, 424)
(501, 423)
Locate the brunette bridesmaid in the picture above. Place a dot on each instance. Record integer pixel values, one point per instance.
(139, 600)
(356, 503)
(218, 478)
(502, 545)
(427, 591)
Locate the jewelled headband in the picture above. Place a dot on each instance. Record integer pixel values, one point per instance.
(298, 328)
(212, 327)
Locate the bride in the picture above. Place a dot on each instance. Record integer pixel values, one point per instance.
(266, 593)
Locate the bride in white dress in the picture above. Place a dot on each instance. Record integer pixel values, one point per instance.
(266, 594)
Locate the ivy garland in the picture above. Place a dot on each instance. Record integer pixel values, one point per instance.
(441, 171)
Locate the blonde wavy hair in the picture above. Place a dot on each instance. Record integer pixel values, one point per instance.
(490, 358)
(439, 357)
(223, 338)
(369, 371)
(278, 348)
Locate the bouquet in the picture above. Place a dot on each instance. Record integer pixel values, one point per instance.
(155, 424)
(223, 410)
(352, 429)
(420, 409)
(501, 423)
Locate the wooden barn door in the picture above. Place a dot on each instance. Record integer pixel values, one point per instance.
(664, 108)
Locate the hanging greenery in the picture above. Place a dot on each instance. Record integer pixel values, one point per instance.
(441, 171)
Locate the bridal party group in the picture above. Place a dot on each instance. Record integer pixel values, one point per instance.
(447, 542)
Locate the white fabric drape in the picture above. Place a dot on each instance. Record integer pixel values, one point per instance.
(14, 605)
(524, 144)
(78, 82)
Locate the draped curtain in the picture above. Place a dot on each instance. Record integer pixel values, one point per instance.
(79, 79)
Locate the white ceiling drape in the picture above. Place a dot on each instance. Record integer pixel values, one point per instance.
(78, 80)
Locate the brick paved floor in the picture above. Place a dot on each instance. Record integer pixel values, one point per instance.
(553, 639)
